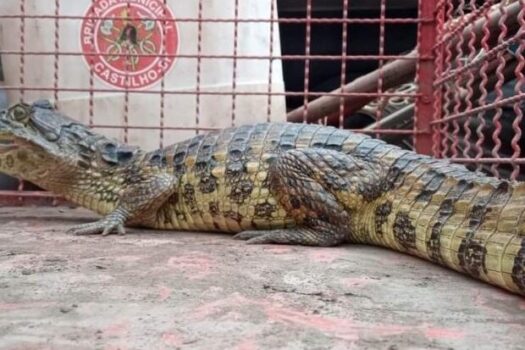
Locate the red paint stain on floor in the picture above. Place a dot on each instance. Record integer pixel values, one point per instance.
(172, 339)
(344, 328)
(164, 293)
(247, 344)
(324, 255)
(22, 306)
(435, 333)
(117, 329)
(194, 266)
(9, 307)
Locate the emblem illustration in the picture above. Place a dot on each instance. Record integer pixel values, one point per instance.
(129, 44)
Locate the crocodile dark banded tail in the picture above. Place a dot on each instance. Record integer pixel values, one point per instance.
(278, 183)
(446, 214)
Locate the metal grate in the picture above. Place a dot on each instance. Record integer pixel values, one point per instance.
(436, 76)
(478, 88)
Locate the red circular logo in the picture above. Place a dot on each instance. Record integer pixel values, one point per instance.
(129, 44)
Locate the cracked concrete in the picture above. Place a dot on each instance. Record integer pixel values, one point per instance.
(167, 290)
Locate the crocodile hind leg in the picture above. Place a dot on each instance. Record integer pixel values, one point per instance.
(322, 190)
(137, 204)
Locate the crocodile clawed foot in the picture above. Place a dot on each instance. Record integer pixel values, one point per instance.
(297, 236)
(248, 235)
(113, 222)
(259, 237)
(104, 227)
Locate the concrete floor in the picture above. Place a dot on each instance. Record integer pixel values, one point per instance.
(155, 290)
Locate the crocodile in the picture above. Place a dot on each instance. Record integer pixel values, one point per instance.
(284, 183)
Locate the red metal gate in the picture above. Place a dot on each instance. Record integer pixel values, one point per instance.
(443, 77)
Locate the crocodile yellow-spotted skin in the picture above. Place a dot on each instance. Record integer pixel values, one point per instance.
(294, 184)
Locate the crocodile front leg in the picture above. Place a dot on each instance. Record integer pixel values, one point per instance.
(137, 205)
(322, 190)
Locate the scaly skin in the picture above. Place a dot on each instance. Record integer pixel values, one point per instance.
(279, 183)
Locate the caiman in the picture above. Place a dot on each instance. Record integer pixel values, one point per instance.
(280, 183)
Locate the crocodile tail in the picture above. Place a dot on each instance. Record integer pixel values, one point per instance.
(466, 221)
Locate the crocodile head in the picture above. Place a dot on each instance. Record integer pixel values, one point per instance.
(43, 146)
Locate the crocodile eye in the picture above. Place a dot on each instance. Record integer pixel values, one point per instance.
(108, 153)
(20, 114)
(109, 147)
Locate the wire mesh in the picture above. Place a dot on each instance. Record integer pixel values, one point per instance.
(479, 86)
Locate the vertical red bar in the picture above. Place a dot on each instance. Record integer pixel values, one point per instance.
(425, 112)
(56, 62)
(438, 61)
(307, 44)
(270, 63)
(235, 54)
(22, 69)
(381, 101)
(470, 56)
(163, 51)
(344, 49)
(448, 91)
(199, 67)
(458, 63)
(518, 89)
(22, 48)
(91, 72)
(127, 85)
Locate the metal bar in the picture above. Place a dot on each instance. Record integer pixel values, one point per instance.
(344, 51)
(438, 91)
(273, 13)
(145, 127)
(381, 51)
(215, 57)
(91, 61)
(371, 95)
(24, 198)
(520, 77)
(163, 79)
(424, 112)
(496, 160)
(287, 20)
(22, 50)
(127, 87)
(199, 67)
(502, 102)
(235, 63)
(307, 47)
